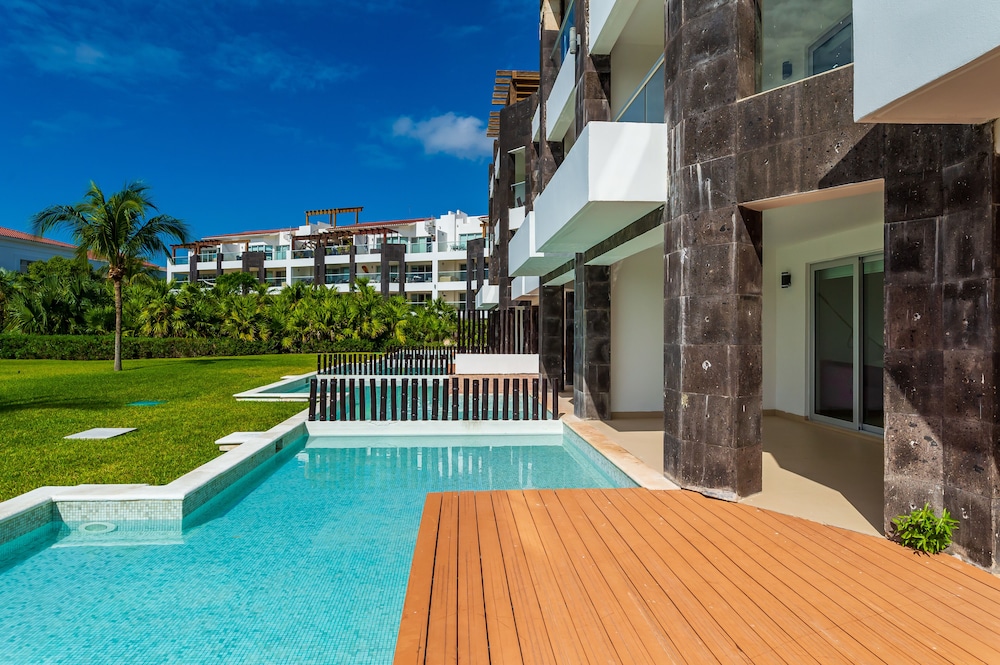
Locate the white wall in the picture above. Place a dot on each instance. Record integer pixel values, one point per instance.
(13, 251)
(637, 332)
(629, 64)
(900, 47)
(855, 229)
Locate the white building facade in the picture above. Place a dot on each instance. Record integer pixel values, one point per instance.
(434, 256)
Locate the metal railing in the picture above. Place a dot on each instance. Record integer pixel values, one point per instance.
(646, 103)
(419, 360)
(432, 399)
(512, 330)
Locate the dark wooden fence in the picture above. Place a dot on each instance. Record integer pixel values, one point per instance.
(427, 361)
(512, 330)
(432, 399)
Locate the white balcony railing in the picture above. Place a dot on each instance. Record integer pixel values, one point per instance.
(615, 174)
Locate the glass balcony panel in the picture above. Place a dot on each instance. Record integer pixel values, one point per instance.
(518, 190)
(307, 279)
(646, 104)
(338, 278)
(181, 260)
(802, 38)
(274, 281)
(302, 254)
(419, 277)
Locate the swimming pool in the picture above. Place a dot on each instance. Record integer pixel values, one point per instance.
(306, 565)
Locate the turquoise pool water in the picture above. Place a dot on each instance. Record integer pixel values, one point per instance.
(307, 565)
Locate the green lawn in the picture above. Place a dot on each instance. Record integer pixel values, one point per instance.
(41, 401)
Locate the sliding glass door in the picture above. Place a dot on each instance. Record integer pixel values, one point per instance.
(847, 343)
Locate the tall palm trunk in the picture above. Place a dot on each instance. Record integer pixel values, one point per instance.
(118, 324)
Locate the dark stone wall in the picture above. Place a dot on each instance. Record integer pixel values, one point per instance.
(392, 253)
(712, 283)
(941, 194)
(474, 270)
(515, 132)
(551, 327)
(253, 262)
(592, 341)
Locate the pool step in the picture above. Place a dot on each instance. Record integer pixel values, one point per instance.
(231, 441)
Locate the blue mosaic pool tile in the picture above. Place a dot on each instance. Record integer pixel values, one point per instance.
(306, 566)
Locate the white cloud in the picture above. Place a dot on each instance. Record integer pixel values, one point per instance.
(459, 136)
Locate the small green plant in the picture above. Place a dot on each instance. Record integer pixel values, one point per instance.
(924, 531)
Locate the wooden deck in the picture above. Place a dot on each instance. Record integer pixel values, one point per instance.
(635, 576)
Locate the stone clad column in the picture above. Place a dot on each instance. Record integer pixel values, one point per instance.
(712, 267)
(941, 342)
(551, 315)
(592, 352)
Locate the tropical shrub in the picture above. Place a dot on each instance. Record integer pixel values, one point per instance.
(924, 531)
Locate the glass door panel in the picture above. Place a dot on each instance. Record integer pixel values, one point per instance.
(873, 345)
(833, 342)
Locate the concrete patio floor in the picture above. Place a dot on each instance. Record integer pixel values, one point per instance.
(814, 471)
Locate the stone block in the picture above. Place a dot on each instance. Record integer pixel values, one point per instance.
(904, 494)
(969, 388)
(913, 316)
(967, 315)
(710, 84)
(709, 135)
(709, 35)
(975, 535)
(968, 456)
(913, 447)
(966, 244)
(968, 184)
(912, 196)
(911, 251)
(708, 270)
(705, 369)
(749, 462)
(914, 382)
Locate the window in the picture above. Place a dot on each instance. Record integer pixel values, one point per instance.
(801, 38)
(847, 342)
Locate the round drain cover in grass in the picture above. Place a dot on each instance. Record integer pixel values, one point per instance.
(145, 403)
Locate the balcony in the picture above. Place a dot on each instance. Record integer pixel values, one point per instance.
(524, 287)
(275, 282)
(646, 103)
(615, 174)
(523, 256)
(559, 106)
(419, 277)
(338, 278)
(488, 297)
(180, 260)
(936, 64)
(607, 21)
(302, 254)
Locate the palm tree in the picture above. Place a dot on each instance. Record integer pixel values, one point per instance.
(115, 230)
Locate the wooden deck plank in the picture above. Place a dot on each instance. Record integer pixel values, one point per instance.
(411, 642)
(637, 637)
(442, 627)
(923, 616)
(871, 585)
(728, 635)
(575, 580)
(501, 629)
(558, 615)
(473, 641)
(534, 640)
(765, 620)
(633, 576)
(799, 578)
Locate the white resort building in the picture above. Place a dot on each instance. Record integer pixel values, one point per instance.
(422, 258)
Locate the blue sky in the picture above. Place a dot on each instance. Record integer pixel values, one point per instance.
(242, 114)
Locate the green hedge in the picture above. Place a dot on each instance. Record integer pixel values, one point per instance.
(94, 347)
